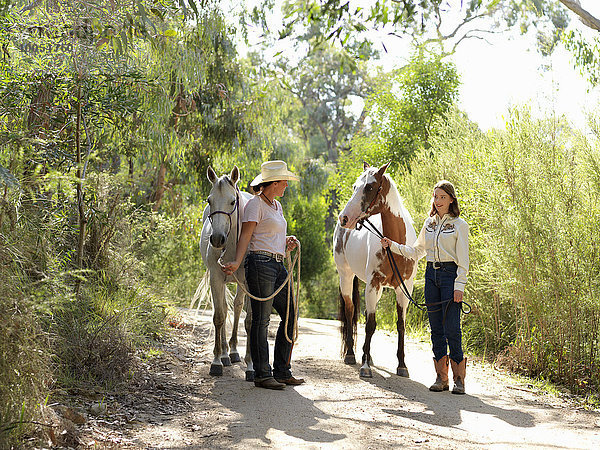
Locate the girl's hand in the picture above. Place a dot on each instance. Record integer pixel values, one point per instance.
(231, 267)
(385, 242)
(458, 296)
(291, 242)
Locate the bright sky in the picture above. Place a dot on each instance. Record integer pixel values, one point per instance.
(506, 72)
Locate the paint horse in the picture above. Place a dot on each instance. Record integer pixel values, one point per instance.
(358, 254)
(222, 220)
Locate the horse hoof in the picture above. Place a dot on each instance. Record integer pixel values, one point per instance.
(250, 375)
(216, 370)
(403, 372)
(350, 359)
(226, 361)
(365, 373)
(235, 357)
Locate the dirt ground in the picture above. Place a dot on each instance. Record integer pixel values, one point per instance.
(178, 405)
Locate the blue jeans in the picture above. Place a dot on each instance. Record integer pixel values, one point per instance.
(444, 318)
(264, 275)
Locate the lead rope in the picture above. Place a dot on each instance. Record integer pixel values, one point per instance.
(396, 274)
(290, 282)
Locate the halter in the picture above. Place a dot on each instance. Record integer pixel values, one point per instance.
(366, 211)
(229, 214)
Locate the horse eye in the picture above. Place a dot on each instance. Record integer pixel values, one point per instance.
(368, 188)
(232, 202)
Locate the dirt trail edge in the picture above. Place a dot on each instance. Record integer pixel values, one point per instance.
(182, 406)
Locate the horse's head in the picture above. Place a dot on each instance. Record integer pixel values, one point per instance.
(365, 200)
(223, 201)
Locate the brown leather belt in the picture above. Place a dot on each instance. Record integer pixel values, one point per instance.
(439, 264)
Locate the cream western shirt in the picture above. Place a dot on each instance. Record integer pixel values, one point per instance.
(442, 239)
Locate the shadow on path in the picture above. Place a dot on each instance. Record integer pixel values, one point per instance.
(444, 408)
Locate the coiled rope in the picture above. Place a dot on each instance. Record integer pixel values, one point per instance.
(290, 285)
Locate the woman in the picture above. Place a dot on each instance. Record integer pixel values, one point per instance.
(444, 239)
(264, 236)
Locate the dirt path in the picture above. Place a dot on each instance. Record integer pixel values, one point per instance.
(187, 408)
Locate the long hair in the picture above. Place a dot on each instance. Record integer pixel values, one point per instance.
(448, 188)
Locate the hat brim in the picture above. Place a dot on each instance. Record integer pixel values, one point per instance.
(279, 177)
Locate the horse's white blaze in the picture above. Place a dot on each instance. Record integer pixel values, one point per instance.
(354, 208)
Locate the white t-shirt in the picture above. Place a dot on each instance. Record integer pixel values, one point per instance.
(442, 239)
(271, 226)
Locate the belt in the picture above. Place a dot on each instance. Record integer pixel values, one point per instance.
(276, 256)
(441, 264)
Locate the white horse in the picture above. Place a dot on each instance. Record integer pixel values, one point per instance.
(358, 254)
(222, 220)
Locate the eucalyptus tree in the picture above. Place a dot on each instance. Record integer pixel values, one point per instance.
(82, 82)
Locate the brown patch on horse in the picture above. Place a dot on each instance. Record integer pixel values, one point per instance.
(339, 241)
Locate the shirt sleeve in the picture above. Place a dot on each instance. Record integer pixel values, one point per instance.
(416, 251)
(252, 211)
(462, 256)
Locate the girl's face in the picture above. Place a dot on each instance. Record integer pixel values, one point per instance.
(442, 201)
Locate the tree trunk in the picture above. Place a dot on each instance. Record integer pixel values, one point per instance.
(160, 187)
(586, 18)
(80, 204)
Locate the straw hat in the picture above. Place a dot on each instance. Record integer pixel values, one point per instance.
(273, 171)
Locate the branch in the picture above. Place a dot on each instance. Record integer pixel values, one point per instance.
(586, 18)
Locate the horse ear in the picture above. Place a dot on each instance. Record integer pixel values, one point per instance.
(211, 175)
(234, 176)
(382, 169)
(365, 165)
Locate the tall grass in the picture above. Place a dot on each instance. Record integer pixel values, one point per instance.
(529, 193)
(50, 337)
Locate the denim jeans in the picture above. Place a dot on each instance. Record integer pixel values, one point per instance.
(264, 275)
(444, 319)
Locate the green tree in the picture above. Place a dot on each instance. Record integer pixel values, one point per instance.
(404, 113)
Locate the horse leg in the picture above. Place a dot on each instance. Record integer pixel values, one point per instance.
(348, 315)
(248, 357)
(238, 303)
(219, 314)
(224, 346)
(401, 307)
(372, 298)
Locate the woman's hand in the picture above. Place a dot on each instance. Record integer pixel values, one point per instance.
(458, 296)
(231, 267)
(291, 242)
(385, 242)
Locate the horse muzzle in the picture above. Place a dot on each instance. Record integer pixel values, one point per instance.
(218, 240)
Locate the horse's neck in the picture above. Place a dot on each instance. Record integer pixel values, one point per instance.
(394, 217)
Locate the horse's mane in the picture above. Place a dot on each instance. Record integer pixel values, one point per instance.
(395, 201)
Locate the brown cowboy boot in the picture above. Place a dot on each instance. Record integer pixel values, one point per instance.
(459, 371)
(441, 368)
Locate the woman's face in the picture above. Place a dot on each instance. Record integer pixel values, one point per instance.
(280, 187)
(442, 200)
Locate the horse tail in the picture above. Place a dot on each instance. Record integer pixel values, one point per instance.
(349, 329)
(202, 291)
